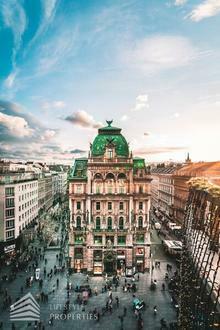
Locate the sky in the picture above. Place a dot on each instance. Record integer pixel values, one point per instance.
(67, 66)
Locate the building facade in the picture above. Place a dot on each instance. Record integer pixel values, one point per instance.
(109, 200)
(163, 191)
(18, 206)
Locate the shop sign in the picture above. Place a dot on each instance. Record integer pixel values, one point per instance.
(140, 251)
(9, 248)
(37, 274)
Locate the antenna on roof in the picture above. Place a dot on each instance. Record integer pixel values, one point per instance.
(109, 122)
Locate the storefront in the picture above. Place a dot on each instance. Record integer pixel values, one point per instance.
(121, 262)
(97, 262)
(139, 256)
(78, 263)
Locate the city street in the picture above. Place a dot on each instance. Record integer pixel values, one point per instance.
(79, 319)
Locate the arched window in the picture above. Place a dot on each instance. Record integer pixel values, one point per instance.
(98, 223)
(109, 223)
(78, 222)
(98, 176)
(110, 176)
(98, 188)
(140, 222)
(122, 176)
(121, 223)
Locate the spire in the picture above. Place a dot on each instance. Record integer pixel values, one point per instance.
(188, 160)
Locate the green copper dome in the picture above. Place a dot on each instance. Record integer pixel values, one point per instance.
(110, 135)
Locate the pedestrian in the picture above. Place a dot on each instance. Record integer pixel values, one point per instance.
(140, 323)
(22, 289)
(87, 278)
(163, 324)
(155, 310)
(13, 326)
(163, 287)
(121, 318)
(57, 282)
(138, 277)
(125, 311)
(117, 301)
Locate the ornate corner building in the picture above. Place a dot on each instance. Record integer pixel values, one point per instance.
(109, 200)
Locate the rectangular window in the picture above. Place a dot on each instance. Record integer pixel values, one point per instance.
(78, 205)
(98, 189)
(97, 255)
(97, 239)
(140, 238)
(10, 224)
(140, 205)
(97, 206)
(121, 240)
(78, 189)
(98, 223)
(10, 234)
(10, 213)
(121, 190)
(10, 202)
(109, 205)
(78, 239)
(10, 191)
(121, 206)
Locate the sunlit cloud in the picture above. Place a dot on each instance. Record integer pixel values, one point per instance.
(207, 8)
(141, 103)
(82, 119)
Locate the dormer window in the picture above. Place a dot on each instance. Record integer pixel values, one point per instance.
(110, 153)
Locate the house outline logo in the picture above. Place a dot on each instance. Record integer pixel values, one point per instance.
(25, 309)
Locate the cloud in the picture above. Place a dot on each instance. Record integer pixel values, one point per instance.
(180, 2)
(207, 8)
(175, 115)
(160, 52)
(9, 81)
(141, 103)
(77, 151)
(83, 119)
(124, 118)
(22, 136)
(48, 134)
(53, 105)
(61, 45)
(14, 18)
(49, 8)
(158, 150)
(16, 126)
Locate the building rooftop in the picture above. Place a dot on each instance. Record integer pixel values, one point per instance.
(79, 169)
(206, 169)
(109, 135)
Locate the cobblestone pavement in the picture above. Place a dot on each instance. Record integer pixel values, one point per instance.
(78, 318)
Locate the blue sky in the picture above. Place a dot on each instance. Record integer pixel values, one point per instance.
(151, 66)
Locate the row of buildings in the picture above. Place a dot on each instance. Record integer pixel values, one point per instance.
(27, 191)
(170, 189)
(109, 201)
